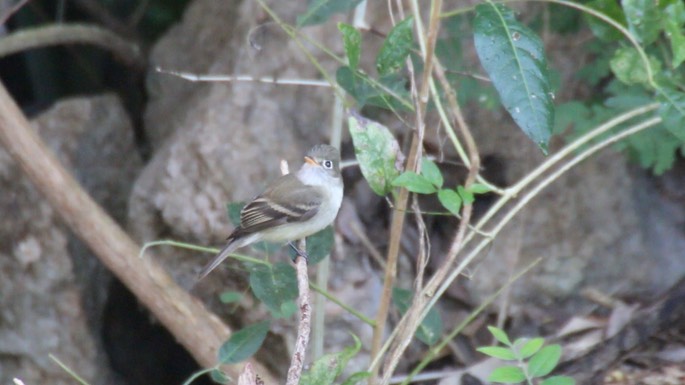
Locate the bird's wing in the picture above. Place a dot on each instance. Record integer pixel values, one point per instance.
(286, 200)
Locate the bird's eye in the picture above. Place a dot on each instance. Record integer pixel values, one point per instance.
(327, 164)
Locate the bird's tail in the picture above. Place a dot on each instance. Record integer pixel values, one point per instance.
(231, 246)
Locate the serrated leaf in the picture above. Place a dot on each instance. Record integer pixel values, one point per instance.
(507, 375)
(377, 151)
(327, 368)
(450, 200)
(430, 330)
(498, 352)
(514, 58)
(396, 47)
(629, 67)
(644, 19)
(319, 11)
(654, 149)
(356, 378)
(600, 28)
(243, 343)
(230, 296)
(543, 362)
(672, 111)
(274, 285)
(559, 380)
(500, 335)
(414, 182)
(673, 25)
(352, 41)
(531, 347)
(466, 195)
(431, 171)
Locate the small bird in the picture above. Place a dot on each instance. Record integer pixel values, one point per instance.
(292, 207)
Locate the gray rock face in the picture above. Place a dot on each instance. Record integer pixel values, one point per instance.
(52, 288)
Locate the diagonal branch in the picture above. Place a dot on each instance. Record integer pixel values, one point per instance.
(197, 329)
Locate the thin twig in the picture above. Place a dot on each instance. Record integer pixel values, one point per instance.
(304, 327)
(193, 77)
(10, 12)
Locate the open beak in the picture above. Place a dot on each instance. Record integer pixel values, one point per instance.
(310, 161)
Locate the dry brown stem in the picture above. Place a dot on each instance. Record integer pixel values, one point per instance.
(197, 329)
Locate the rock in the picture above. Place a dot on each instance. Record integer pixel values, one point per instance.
(53, 289)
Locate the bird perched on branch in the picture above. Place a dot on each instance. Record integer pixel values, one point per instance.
(292, 207)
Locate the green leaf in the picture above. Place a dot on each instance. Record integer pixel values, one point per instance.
(230, 296)
(352, 40)
(507, 375)
(654, 148)
(274, 285)
(219, 377)
(388, 92)
(500, 335)
(243, 343)
(396, 47)
(319, 11)
(430, 330)
(531, 347)
(672, 111)
(327, 368)
(450, 200)
(629, 68)
(606, 32)
(544, 361)
(514, 58)
(466, 195)
(320, 245)
(431, 171)
(673, 25)
(377, 151)
(498, 352)
(559, 380)
(233, 210)
(478, 188)
(288, 308)
(644, 19)
(356, 378)
(414, 182)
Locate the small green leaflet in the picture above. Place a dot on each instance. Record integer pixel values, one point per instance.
(544, 361)
(507, 375)
(243, 343)
(414, 182)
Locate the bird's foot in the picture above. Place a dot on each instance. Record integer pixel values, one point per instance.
(298, 253)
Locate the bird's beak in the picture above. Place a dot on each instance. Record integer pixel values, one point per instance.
(310, 161)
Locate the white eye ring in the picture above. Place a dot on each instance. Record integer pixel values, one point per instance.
(327, 164)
